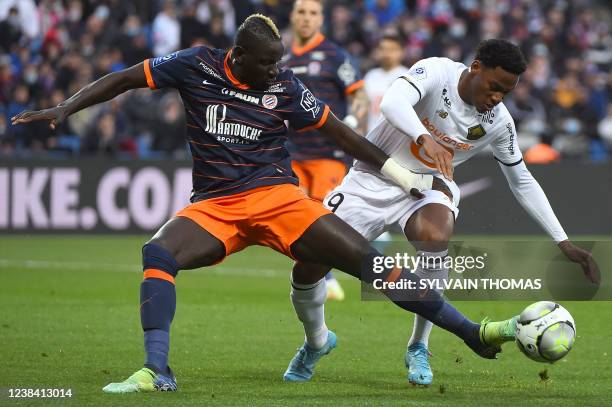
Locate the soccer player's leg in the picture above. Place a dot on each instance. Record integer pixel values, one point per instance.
(429, 229)
(325, 175)
(179, 244)
(331, 241)
(308, 299)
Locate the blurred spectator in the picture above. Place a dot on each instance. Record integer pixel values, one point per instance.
(224, 8)
(50, 49)
(108, 135)
(192, 30)
(27, 12)
(6, 143)
(527, 110)
(132, 41)
(19, 101)
(166, 30)
(170, 129)
(389, 54)
(216, 35)
(10, 30)
(344, 29)
(385, 11)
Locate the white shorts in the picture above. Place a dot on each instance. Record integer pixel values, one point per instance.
(373, 205)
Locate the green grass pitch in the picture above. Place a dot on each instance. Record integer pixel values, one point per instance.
(69, 319)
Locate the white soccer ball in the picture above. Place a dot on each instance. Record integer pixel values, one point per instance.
(545, 331)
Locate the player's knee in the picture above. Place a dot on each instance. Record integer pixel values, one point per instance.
(433, 235)
(156, 258)
(308, 273)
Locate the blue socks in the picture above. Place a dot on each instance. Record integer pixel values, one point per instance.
(157, 305)
(427, 303)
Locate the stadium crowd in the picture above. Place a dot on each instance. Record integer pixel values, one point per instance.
(51, 48)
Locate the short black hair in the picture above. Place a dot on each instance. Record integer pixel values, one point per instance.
(392, 36)
(256, 28)
(495, 52)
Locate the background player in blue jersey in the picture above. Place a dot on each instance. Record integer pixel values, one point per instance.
(329, 72)
(244, 193)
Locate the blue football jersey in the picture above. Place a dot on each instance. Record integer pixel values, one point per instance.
(237, 135)
(331, 74)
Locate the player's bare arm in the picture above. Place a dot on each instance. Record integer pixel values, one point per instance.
(359, 104)
(96, 92)
(353, 144)
(363, 150)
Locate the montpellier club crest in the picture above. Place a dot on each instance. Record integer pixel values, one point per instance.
(269, 101)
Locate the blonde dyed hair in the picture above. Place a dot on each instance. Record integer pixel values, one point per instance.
(265, 19)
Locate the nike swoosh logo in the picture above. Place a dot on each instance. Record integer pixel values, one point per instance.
(205, 82)
(474, 187)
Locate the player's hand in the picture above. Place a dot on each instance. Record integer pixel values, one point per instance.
(441, 157)
(55, 115)
(441, 186)
(582, 257)
(436, 185)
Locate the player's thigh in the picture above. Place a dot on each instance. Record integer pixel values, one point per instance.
(190, 244)
(330, 240)
(358, 213)
(430, 227)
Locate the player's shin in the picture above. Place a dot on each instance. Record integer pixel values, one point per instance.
(425, 302)
(157, 304)
(309, 304)
(431, 267)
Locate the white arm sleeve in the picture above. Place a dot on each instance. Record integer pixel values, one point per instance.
(406, 91)
(397, 107)
(531, 197)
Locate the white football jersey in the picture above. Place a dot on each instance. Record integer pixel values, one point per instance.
(457, 126)
(377, 81)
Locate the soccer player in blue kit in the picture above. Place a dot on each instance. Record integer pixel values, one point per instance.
(331, 74)
(245, 193)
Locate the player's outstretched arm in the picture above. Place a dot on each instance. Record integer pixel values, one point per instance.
(96, 92)
(360, 148)
(530, 195)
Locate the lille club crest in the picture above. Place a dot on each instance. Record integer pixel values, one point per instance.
(476, 132)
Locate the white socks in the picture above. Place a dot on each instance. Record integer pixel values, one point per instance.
(434, 268)
(309, 304)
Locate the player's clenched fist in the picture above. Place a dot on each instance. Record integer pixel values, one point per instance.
(441, 157)
(55, 115)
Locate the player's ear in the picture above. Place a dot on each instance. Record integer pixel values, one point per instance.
(475, 67)
(238, 55)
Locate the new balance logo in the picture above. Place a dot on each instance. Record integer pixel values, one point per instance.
(216, 124)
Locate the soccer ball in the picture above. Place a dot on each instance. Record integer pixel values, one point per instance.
(545, 331)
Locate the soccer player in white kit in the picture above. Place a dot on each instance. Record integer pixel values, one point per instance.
(389, 54)
(433, 119)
